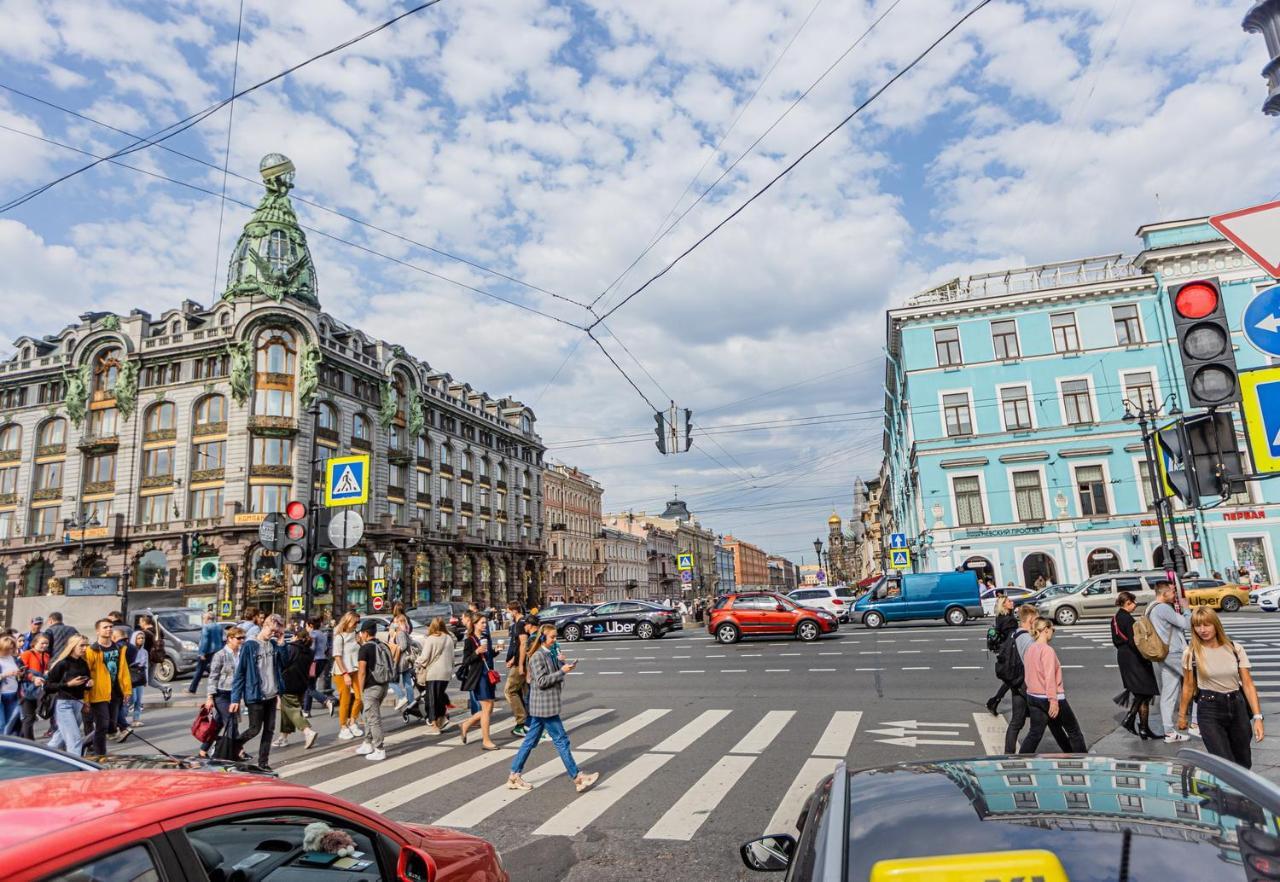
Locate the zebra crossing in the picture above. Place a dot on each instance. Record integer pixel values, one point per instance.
(681, 768)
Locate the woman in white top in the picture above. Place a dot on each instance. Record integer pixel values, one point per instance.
(345, 676)
(9, 671)
(433, 673)
(1216, 676)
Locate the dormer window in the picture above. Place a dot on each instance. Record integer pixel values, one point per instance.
(106, 371)
(280, 251)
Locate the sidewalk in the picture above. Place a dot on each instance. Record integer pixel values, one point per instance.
(1266, 755)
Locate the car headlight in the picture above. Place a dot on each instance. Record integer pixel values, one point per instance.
(189, 646)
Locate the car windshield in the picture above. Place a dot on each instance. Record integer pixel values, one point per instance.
(844, 592)
(785, 601)
(186, 620)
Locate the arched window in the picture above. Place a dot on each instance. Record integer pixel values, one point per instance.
(393, 441)
(402, 400)
(35, 581)
(225, 319)
(210, 410)
(175, 328)
(153, 570)
(502, 473)
(281, 252)
(482, 467)
(424, 449)
(360, 427)
(445, 453)
(1102, 560)
(160, 417)
(53, 433)
(276, 352)
(328, 417)
(10, 438)
(106, 371)
(464, 461)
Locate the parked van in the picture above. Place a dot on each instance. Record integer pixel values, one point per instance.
(900, 597)
(1096, 596)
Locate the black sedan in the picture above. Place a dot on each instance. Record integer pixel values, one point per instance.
(620, 618)
(1053, 817)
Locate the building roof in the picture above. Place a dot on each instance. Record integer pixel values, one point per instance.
(271, 258)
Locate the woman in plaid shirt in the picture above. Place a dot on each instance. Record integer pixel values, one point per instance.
(546, 677)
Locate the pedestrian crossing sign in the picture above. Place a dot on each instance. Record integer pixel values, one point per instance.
(295, 604)
(346, 480)
(226, 608)
(684, 561)
(899, 558)
(378, 587)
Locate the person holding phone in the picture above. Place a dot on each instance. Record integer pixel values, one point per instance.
(477, 662)
(68, 679)
(546, 673)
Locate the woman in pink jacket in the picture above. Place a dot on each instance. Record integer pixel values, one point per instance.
(1046, 696)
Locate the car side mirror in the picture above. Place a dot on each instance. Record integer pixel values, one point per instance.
(769, 854)
(415, 865)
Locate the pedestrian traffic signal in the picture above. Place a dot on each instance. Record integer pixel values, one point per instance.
(1198, 457)
(1204, 343)
(661, 431)
(322, 578)
(295, 532)
(1197, 550)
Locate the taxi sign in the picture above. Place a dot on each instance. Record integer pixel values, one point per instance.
(378, 587)
(1260, 406)
(684, 561)
(992, 866)
(346, 480)
(899, 558)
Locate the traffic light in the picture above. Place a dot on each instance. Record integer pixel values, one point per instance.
(322, 573)
(688, 429)
(1204, 342)
(1197, 550)
(295, 532)
(661, 431)
(1198, 456)
(1264, 18)
(197, 542)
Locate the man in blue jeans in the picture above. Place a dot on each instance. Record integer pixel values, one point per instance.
(212, 639)
(546, 678)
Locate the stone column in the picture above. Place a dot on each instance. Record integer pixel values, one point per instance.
(436, 574)
(477, 587)
(456, 582)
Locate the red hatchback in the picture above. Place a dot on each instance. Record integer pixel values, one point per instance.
(741, 615)
(211, 827)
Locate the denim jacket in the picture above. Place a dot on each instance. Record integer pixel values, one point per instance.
(246, 686)
(211, 639)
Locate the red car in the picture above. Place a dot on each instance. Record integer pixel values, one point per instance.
(762, 612)
(211, 827)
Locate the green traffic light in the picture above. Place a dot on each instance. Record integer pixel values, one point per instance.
(320, 584)
(324, 562)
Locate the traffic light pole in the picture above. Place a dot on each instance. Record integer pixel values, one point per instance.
(1160, 502)
(313, 513)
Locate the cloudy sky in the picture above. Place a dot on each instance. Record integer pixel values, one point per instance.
(553, 142)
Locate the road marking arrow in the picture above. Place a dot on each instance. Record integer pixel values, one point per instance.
(913, 741)
(916, 724)
(898, 732)
(1270, 323)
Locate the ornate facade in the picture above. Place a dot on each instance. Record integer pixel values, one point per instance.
(575, 551)
(146, 451)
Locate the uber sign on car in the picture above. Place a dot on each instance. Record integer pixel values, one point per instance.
(620, 618)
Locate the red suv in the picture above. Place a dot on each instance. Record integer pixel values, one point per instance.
(740, 615)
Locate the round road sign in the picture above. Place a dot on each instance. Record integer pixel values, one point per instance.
(377, 603)
(346, 529)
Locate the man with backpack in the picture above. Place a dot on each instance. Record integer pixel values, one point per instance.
(1171, 628)
(375, 672)
(1009, 669)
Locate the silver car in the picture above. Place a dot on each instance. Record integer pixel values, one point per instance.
(1095, 597)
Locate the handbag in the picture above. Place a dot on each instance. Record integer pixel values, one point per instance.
(494, 676)
(206, 725)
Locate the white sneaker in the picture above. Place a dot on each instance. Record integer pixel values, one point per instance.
(364, 749)
(1193, 730)
(1175, 737)
(309, 738)
(278, 741)
(402, 704)
(356, 730)
(375, 755)
(345, 734)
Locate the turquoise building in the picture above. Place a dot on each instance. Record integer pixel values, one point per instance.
(1006, 448)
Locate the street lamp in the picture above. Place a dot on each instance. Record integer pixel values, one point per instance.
(1264, 18)
(81, 522)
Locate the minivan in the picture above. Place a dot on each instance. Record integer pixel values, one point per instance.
(900, 597)
(1096, 596)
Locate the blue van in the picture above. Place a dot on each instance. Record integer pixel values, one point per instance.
(901, 597)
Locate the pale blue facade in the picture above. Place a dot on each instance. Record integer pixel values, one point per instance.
(1005, 444)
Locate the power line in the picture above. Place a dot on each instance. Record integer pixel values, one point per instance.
(982, 4)
(226, 154)
(196, 118)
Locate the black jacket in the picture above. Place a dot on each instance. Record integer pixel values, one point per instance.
(297, 669)
(1006, 625)
(67, 669)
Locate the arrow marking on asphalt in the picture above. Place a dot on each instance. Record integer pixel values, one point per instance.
(1270, 323)
(916, 724)
(898, 732)
(912, 741)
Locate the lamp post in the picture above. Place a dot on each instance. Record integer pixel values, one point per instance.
(82, 521)
(817, 549)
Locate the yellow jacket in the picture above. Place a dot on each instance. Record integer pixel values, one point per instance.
(101, 689)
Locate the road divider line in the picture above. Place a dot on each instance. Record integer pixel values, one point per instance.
(733, 670)
(777, 670)
(763, 733)
(820, 670)
(966, 667)
(868, 669)
(682, 820)
(917, 668)
(838, 736)
(579, 814)
(788, 810)
(991, 731)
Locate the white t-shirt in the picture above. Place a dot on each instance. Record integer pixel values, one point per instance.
(8, 664)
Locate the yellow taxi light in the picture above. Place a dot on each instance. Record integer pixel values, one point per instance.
(994, 866)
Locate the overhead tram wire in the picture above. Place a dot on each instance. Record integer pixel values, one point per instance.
(745, 153)
(982, 4)
(371, 251)
(226, 154)
(196, 118)
(295, 197)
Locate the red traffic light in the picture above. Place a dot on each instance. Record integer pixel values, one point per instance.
(295, 510)
(1196, 300)
(295, 531)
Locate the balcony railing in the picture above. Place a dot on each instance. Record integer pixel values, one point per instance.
(46, 494)
(94, 444)
(160, 435)
(272, 425)
(203, 429)
(397, 492)
(151, 482)
(271, 471)
(201, 475)
(466, 475)
(43, 450)
(330, 435)
(93, 488)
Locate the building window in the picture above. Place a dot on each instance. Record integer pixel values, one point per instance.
(273, 394)
(211, 410)
(11, 438)
(99, 469)
(1093, 491)
(968, 492)
(464, 461)
(273, 451)
(423, 450)
(396, 476)
(157, 463)
(48, 476)
(1140, 390)
(106, 371)
(1129, 802)
(1077, 799)
(1025, 799)
(6, 524)
(1076, 405)
(947, 343)
(466, 491)
(1065, 336)
(1004, 337)
(1029, 495)
(268, 498)
(206, 504)
(155, 509)
(1186, 811)
(444, 454)
(211, 367)
(424, 483)
(209, 455)
(328, 418)
(1128, 328)
(102, 423)
(160, 417)
(53, 433)
(1015, 405)
(9, 480)
(955, 408)
(1074, 779)
(397, 512)
(360, 427)
(44, 521)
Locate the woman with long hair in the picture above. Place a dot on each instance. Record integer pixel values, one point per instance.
(1006, 624)
(297, 666)
(153, 642)
(1047, 696)
(477, 662)
(1216, 677)
(35, 667)
(401, 659)
(222, 671)
(10, 677)
(68, 679)
(1136, 673)
(346, 653)
(433, 673)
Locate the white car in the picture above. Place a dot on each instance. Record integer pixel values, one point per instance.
(1266, 598)
(836, 600)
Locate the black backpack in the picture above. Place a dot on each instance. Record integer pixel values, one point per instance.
(1009, 662)
(993, 639)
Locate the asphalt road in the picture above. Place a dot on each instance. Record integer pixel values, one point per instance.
(701, 746)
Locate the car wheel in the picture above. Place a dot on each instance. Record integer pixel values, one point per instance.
(572, 634)
(1065, 615)
(727, 633)
(1230, 604)
(956, 616)
(165, 671)
(644, 631)
(808, 631)
(873, 620)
